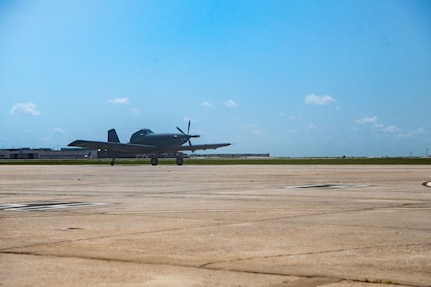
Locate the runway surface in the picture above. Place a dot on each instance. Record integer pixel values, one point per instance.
(227, 225)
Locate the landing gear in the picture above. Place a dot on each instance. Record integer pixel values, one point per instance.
(112, 161)
(180, 161)
(154, 161)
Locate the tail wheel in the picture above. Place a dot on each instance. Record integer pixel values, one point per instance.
(154, 161)
(180, 161)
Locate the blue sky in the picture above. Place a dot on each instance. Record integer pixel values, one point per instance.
(289, 78)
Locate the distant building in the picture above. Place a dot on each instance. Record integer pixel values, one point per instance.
(77, 153)
(46, 153)
(66, 153)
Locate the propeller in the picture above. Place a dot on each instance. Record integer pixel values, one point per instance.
(188, 133)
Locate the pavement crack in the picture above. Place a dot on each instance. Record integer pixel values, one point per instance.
(311, 253)
(311, 279)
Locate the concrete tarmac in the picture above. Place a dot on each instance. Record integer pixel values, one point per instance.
(227, 225)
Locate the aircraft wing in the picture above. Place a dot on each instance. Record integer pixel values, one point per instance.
(202, 146)
(114, 147)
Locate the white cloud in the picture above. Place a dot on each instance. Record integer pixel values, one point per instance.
(253, 129)
(369, 120)
(230, 104)
(379, 127)
(121, 101)
(311, 126)
(58, 131)
(418, 131)
(387, 129)
(25, 108)
(207, 105)
(412, 133)
(318, 100)
(135, 112)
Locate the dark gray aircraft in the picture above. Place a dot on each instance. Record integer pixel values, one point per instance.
(146, 142)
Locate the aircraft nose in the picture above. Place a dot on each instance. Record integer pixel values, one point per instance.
(182, 137)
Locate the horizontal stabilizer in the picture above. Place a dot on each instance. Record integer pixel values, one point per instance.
(115, 147)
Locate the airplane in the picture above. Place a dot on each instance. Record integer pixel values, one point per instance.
(146, 142)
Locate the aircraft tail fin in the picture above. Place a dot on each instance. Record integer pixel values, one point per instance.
(112, 136)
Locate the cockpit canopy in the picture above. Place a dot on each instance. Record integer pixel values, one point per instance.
(140, 134)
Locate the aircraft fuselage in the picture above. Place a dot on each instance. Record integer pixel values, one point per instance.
(163, 141)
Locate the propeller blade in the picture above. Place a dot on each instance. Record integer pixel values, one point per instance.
(181, 131)
(188, 133)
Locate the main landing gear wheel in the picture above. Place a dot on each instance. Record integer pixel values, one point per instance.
(154, 161)
(112, 162)
(180, 161)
